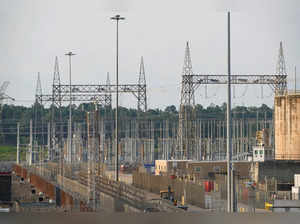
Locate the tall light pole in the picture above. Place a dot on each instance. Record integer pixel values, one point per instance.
(229, 148)
(70, 54)
(117, 18)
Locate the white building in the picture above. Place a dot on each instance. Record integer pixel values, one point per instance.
(263, 153)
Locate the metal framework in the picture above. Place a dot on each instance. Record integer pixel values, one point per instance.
(4, 96)
(185, 136)
(191, 82)
(101, 94)
(96, 90)
(142, 94)
(276, 82)
(104, 100)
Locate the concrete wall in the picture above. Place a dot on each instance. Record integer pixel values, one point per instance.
(283, 171)
(194, 192)
(287, 206)
(201, 170)
(170, 166)
(287, 127)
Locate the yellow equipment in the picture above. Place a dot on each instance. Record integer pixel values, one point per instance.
(268, 206)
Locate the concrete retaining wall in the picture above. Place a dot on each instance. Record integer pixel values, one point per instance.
(194, 192)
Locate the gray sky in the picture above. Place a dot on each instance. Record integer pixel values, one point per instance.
(33, 32)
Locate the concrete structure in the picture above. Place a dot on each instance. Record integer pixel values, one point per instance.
(165, 167)
(283, 171)
(286, 206)
(197, 170)
(207, 170)
(287, 126)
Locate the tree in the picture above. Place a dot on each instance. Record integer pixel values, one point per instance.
(171, 109)
(224, 107)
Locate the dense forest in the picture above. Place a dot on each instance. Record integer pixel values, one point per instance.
(11, 114)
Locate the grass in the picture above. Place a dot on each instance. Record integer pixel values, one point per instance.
(9, 153)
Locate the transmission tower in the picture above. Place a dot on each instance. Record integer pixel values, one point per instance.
(56, 83)
(185, 136)
(108, 84)
(142, 95)
(281, 71)
(3, 95)
(92, 93)
(2, 90)
(142, 124)
(38, 91)
(191, 82)
(187, 92)
(100, 94)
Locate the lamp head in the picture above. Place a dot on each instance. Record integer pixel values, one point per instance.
(117, 17)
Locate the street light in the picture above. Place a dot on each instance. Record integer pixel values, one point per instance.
(70, 54)
(117, 18)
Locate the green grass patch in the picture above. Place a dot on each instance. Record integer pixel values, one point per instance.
(8, 149)
(9, 153)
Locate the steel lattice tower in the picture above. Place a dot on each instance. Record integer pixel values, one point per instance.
(92, 93)
(187, 91)
(142, 95)
(56, 142)
(281, 72)
(56, 83)
(38, 92)
(4, 96)
(190, 82)
(99, 93)
(142, 106)
(185, 137)
(108, 84)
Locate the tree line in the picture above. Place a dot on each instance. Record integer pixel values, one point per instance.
(11, 114)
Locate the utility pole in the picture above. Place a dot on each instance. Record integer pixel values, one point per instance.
(30, 145)
(117, 18)
(18, 143)
(70, 54)
(48, 140)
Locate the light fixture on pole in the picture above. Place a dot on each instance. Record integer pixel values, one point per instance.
(70, 54)
(117, 18)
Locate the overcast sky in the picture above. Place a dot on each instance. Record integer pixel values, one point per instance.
(33, 32)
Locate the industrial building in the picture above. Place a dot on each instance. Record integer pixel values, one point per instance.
(287, 126)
